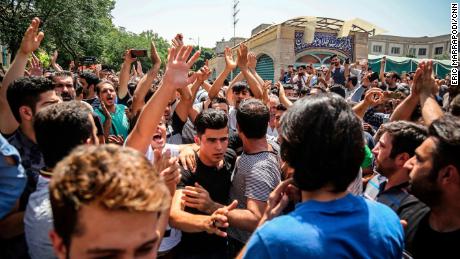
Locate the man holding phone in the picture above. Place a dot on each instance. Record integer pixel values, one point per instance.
(337, 71)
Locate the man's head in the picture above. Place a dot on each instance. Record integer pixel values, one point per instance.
(212, 135)
(252, 119)
(290, 68)
(391, 78)
(64, 85)
(219, 103)
(309, 69)
(241, 92)
(335, 60)
(106, 201)
(280, 109)
(396, 145)
(301, 69)
(322, 140)
(159, 139)
(106, 93)
(88, 82)
(28, 95)
(435, 168)
(61, 127)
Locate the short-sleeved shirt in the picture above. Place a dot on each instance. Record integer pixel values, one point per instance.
(31, 159)
(349, 227)
(255, 177)
(120, 121)
(38, 221)
(94, 102)
(12, 177)
(172, 236)
(217, 182)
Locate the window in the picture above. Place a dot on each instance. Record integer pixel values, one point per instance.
(412, 51)
(438, 51)
(422, 52)
(395, 50)
(377, 49)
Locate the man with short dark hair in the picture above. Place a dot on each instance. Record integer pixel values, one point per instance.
(397, 144)
(241, 92)
(329, 222)
(59, 128)
(64, 85)
(338, 72)
(256, 174)
(109, 206)
(192, 213)
(435, 180)
(89, 82)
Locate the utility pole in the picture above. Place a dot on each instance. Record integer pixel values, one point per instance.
(235, 21)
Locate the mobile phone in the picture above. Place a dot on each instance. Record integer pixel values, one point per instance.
(373, 76)
(394, 95)
(88, 60)
(138, 53)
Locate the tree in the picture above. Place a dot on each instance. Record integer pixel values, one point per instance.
(71, 26)
(206, 54)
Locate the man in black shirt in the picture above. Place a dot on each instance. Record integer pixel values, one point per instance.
(435, 179)
(197, 207)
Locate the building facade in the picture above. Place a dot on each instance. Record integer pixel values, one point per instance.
(279, 45)
(416, 47)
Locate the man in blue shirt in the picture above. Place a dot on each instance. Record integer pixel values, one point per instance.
(322, 142)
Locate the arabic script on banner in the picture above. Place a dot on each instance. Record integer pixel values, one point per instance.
(325, 41)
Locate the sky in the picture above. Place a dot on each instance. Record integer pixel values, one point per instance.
(204, 22)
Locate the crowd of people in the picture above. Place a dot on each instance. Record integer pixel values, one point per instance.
(331, 162)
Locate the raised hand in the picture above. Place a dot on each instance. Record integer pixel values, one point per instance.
(374, 96)
(203, 74)
(178, 41)
(128, 58)
(252, 60)
(424, 82)
(243, 56)
(177, 68)
(267, 85)
(230, 63)
(54, 63)
(168, 168)
(156, 60)
(32, 38)
(35, 67)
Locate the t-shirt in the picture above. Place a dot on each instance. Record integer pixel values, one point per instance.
(255, 177)
(12, 177)
(94, 102)
(232, 118)
(174, 130)
(38, 221)
(429, 243)
(217, 183)
(338, 75)
(120, 121)
(172, 236)
(349, 227)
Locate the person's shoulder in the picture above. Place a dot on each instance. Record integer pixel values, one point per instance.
(381, 212)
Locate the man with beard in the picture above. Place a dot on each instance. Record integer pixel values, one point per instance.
(435, 180)
(89, 82)
(113, 116)
(389, 186)
(64, 85)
